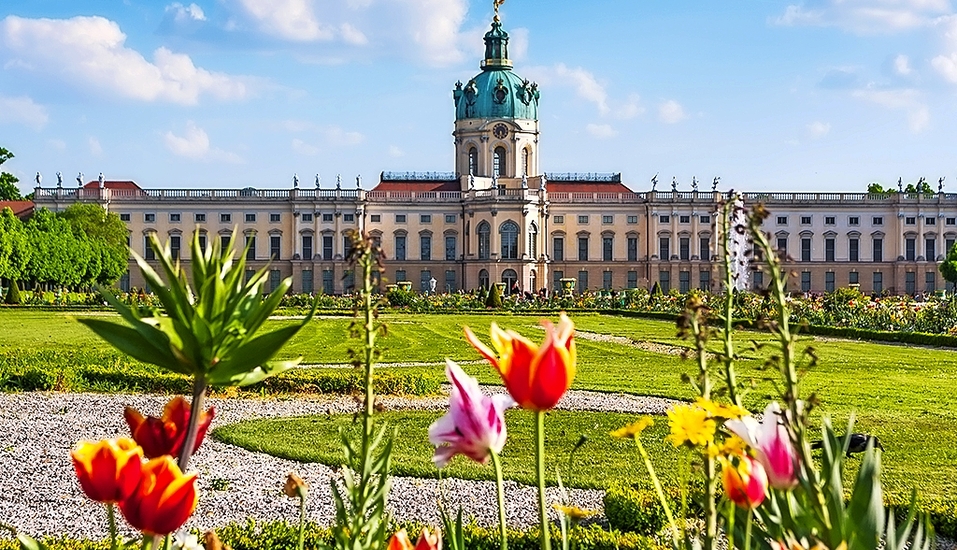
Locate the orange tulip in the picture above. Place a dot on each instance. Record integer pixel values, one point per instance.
(108, 470)
(745, 481)
(167, 434)
(536, 376)
(163, 500)
(427, 541)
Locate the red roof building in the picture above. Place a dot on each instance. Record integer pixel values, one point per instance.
(21, 209)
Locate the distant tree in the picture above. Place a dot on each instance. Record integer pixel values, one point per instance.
(922, 187)
(877, 188)
(14, 247)
(8, 182)
(948, 268)
(105, 235)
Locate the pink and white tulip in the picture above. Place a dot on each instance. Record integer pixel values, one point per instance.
(772, 445)
(475, 423)
(745, 481)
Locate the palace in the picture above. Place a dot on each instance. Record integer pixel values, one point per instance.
(497, 218)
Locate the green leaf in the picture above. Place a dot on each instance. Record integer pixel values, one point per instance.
(135, 344)
(255, 375)
(252, 353)
(28, 543)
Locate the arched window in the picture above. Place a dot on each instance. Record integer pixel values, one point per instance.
(510, 278)
(473, 161)
(483, 278)
(509, 233)
(532, 242)
(485, 240)
(532, 281)
(525, 156)
(498, 162)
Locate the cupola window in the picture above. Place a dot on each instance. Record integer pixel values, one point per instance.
(509, 233)
(473, 161)
(498, 162)
(525, 162)
(484, 240)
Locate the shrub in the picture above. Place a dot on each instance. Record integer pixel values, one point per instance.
(13, 294)
(494, 299)
(633, 510)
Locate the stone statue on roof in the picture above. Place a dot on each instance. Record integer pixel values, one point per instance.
(39, 179)
(359, 182)
(79, 179)
(338, 182)
(654, 182)
(674, 183)
(102, 180)
(59, 179)
(317, 181)
(714, 184)
(295, 181)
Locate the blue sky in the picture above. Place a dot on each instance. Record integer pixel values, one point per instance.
(820, 95)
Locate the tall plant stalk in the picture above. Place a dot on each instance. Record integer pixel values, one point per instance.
(500, 491)
(731, 381)
(546, 537)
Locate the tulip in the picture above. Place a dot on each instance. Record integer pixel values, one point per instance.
(427, 541)
(772, 445)
(745, 482)
(475, 423)
(108, 470)
(167, 434)
(536, 376)
(163, 500)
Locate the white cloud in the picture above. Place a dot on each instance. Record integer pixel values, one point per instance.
(293, 20)
(57, 144)
(946, 65)
(918, 119)
(90, 52)
(337, 136)
(902, 65)
(194, 144)
(601, 131)
(352, 35)
(818, 129)
(183, 13)
(671, 112)
(395, 152)
(304, 148)
(907, 100)
(865, 16)
(95, 148)
(22, 110)
(586, 86)
(631, 108)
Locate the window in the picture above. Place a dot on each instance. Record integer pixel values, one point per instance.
(757, 280)
(175, 217)
(829, 281)
(327, 217)
(948, 246)
(930, 249)
(400, 218)
(877, 220)
(450, 246)
(664, 219)
(632, 281)
(224, 242)
(559, 219)
(327, 247)
(532, 247)
(400, 247)
(199, 218)
(632, 219)
(853, 249)
(684, 281)
(225, 218)
(930, 221)
(148, 252)
(202, 241)
(307, 217)
(910, 249)
(829, 220)
(684, 219)
(346, 250)
(853, 278)
(275, 277)
(328, 281)
(582, 280)
(910, 282)
(250, 218)
(607, 248)
(149, 218)
(805, 220)
(557, 277)
(632, 249)
(399, 275)
(704, 219)
(829, 250)
(806, 249)
(704, 280)
(558, 248)
(910, 220)
(275, 243)
(375, 218)
(349, 218)
(878, 249)
(425, 277)
(510, 278)
(783, 245)
(782, 220)
(878, 281)
(498, 161)
(450, 284)
(704, 248)
(425, 218)
(583, 248)
(124, 217)
(684, 248)
(473, 160)
(664, 281)
(525, 168)
(805, 281)
(854, 220)
(664, 248)
(251, 247)
(450, 218)
(306, 247)
(606, 280)
(275, 218)
(582, 220)
(950, 221)
(930, 281)
(484, 240)
(308, 284)
(607, 220)
(425, 247)
(509, 235)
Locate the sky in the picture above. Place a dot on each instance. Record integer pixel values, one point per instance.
(819, 95)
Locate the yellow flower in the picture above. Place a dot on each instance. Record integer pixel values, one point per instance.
(720, 410)
(633, 430)
(690, 425)
(731, 446)
(575, 513)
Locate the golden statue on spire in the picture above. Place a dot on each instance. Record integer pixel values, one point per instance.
(496, 4)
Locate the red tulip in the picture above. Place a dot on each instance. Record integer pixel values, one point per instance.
(167, 434)
(772, 445)
(108, 470)
(745, 481)
(536, 376)
(163, 500)
(427, 541)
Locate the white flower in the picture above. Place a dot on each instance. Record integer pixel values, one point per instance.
(184, 540)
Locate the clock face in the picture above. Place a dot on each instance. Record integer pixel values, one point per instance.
(500, 131)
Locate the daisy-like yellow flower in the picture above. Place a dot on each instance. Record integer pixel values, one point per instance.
(574, 513)
(633, 430)
(720, 410)
(731, 446)
(690, 425)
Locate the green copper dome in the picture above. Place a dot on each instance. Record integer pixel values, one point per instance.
(496, 92)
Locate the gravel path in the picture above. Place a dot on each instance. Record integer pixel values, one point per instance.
(40, 494)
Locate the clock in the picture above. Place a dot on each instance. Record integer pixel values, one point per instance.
(500, 131)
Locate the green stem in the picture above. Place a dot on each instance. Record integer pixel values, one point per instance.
(710, 511)
(111, 517)
(499, 486)
(147, 542)
(730, 377)
(659, 491)
(302, 522)
(195, 411)
(546, 538)
(747, 532)
(730, 529)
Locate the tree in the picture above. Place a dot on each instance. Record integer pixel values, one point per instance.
(877, 188)
(14, 247)
(8, 182)
(106, 236)
(948, 268)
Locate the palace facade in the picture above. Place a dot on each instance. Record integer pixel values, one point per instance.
(497, 218)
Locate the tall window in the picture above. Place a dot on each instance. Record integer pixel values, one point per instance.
(878, 247)
(509, 234)
(450, 246)
(148, 252)
(557, 277)
(606, 280)
(346, 249)
(607, 248)
(174, 246)
(450, 285)
(327, 247)
(308, 285)
(910, 250)
(930, 248)
(473, 161)
(684, 248)
(684, 281)
(632, 249)
(498, 162)
(425, 247)
(525, 156)
(483, 278)
(307, 249)
(854, 249)
(910, 282)
(510, 278)
(558, 248)
(930, 281)
(583, 248)
(484, 241)
(250, 247)
(223, 242)
(632, 279)
(328, 282)
(853, 278)
(829, 281)
(425, 280)
(704, 280)
(704, 247)
(582, 280)
(664, 281)
(664, 248)
(878, 282)
(275, 277)
(275, 245)
(532, 246)
(783, 245)
(828, 250)
(202, 241)
(805, 281)
(400, 247)
(806, 249)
